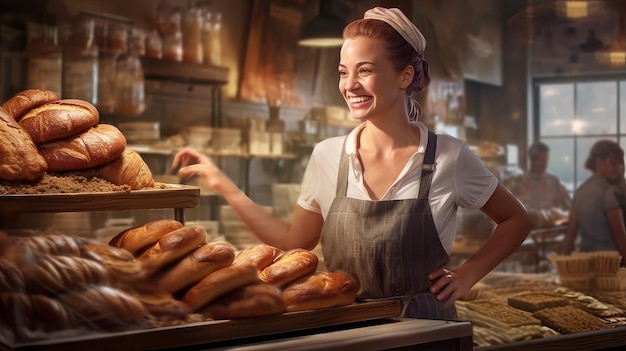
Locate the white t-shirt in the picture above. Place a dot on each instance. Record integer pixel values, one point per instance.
(460, 179)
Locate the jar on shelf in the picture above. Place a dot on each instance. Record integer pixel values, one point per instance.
(192, 22)
(80, 62)
(154, 44)
(130, 97)
(169, 21)
(138, 41)
(44, 57)
(212, 40)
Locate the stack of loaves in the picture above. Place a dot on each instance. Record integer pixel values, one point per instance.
(213, 279)
(40, 132)
(157, 274)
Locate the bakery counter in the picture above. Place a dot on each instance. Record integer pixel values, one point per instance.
(379, 334)
(387, 334)
(611, 339)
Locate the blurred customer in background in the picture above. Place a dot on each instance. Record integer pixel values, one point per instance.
(596, 214)
(543, 194)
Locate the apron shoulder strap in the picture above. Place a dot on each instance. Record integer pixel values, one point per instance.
(429, 165)
(342, 174)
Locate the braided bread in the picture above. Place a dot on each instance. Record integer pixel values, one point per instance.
(54, 274)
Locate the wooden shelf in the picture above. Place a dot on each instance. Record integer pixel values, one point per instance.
(175, 196)
(163, 69)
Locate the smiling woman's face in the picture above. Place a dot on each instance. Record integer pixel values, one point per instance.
(367, 80)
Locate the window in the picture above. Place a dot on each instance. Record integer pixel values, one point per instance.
(572, 115)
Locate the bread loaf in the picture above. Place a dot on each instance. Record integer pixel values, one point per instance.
(289, 266)
(55, 274)
(27, 100)
(19, 157)
(30, 315)
(59, 119)
(254, 300)
(129, 168)
(205, 260)
(103, 307)
(105, 253)
(138, 238)
(259, 256)
(319, 290)
(11, 279)
(171, 247)
(220, 283)
(93, 147)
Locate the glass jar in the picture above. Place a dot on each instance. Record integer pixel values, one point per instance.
(192, 22)
(129, 86)
(44, 57)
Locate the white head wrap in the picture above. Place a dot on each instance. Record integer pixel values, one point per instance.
(395, 18)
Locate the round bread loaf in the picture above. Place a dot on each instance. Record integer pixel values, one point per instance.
(205, 260)
(93, 147)
(59, 119)
(27, 100)
(254, 300)
(138, 238)
(320, 290)
(172, 247)
(19, 157)
(259, 256)
(220, 283)
(289, 266)
(129, 168)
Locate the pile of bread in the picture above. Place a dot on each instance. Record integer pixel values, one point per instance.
(40, 132)
(160, 273)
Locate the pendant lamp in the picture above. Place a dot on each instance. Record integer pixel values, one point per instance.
(324, 30)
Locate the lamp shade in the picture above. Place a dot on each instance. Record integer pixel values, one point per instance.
(324, 30)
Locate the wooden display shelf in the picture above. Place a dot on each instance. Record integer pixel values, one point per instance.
(175, 196)
(202, 333)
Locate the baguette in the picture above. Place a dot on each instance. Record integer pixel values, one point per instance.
(137, 238)
(253, 300)
(219, 283)
(289, 266)
(194, 267)
(319, 290)
(171, 247)
(259, 256)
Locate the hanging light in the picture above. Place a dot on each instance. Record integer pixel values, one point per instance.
(572, 9)
(324, 30)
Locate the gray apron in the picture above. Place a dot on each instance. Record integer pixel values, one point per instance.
(388, 247)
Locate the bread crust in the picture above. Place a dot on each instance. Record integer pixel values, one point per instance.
(137, 238)
(93, 147)
(27, 100)
(254, 300)
(219, 283)
(129, 168)
(19, 157)
(171, 247)
(59, 119)
(319, 290)
(260, 256)
(289, 266)
(205, 260)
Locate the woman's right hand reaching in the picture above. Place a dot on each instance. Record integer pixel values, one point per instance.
(192, 163)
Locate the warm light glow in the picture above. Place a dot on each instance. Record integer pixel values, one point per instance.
(321, 42)
(572, 9)
(613, 56)
(577, 126)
